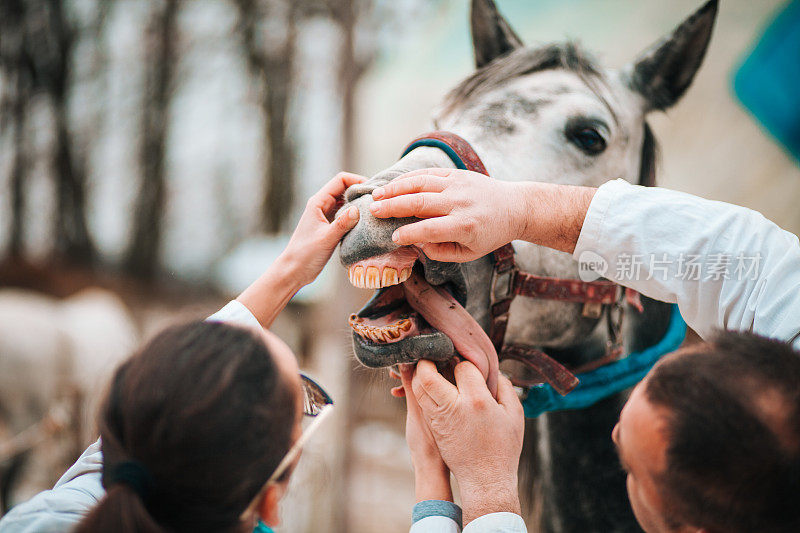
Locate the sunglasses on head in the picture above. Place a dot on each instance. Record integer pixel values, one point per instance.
(318, 405)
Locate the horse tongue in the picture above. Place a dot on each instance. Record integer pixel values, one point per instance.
(444, 313)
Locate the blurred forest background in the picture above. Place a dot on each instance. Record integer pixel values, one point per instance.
(155, 155)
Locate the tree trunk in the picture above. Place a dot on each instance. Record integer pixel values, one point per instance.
(273, 68)
(17, 70)
(349, 73)
(19, 165)
(279, 176)
(71, 232)
(143, 254)
(72, 238)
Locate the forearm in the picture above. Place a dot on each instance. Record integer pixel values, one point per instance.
(552, 215)
(482, 498)
(266, 297)
(432, 483)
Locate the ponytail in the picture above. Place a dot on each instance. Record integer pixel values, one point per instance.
(190, 428)
(128, 485)
(120, 511)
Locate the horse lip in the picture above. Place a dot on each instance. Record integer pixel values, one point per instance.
(435, 346)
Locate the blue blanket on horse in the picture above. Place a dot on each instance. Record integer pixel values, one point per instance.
(768, 82)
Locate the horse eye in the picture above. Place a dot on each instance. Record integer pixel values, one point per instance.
(588, 140)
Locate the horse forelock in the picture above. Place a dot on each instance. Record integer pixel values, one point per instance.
(567, 56)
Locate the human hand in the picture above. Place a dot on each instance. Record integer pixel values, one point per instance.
(479, 439)
(466, 214)
(316, 236)
(308, 250)
(431, 475)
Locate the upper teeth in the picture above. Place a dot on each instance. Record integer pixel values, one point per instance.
(372, 278)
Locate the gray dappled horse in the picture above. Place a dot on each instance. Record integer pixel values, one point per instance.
(549, 114)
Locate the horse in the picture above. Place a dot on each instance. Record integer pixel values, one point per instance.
(56, 354)
(551, 114)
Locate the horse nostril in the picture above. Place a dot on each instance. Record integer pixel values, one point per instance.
(358, 190)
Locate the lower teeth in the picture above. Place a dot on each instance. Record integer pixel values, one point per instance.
(380, 334)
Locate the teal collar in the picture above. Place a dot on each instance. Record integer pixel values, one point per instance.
(261, 527)
(607, 380)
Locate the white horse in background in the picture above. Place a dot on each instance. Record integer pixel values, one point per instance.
(55, 358)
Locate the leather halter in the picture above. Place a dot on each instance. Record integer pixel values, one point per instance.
(509, 282)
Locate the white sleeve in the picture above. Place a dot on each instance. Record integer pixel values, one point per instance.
(435, 524)
(235, 312)
(497, 523)
(62, 507)
(724, 265)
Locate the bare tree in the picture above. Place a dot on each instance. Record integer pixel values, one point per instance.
(18, 73)
(72, 238)
(36, 51)
(19, 165)
(143, 253)
(353, 64)
(270, 59)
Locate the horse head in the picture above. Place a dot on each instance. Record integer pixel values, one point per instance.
(550, 114)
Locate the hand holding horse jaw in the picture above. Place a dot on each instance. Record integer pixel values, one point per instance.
(431, 475)
(466, 215)
(479, 438)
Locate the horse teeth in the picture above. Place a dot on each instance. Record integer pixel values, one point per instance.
(373, 278)
(404, 324)
(357, 277)
(389, 277)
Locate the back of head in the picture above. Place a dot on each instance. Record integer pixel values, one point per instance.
(191, 428)
(733, 457)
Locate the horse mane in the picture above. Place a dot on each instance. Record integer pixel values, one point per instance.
(567, 56)
(649, 158)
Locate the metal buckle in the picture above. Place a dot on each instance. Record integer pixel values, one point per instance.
(502, 286)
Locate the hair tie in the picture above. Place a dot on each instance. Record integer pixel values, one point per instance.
(133, 474)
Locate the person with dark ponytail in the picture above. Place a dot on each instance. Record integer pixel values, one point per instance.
(192, 426)
(201, 428)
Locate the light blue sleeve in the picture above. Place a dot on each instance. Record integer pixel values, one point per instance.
(62, 507)
(436, 516)
(497, 523)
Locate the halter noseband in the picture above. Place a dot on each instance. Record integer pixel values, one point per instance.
(509, 282)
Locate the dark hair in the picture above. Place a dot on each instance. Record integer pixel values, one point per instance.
(733, 458)
(204, 409)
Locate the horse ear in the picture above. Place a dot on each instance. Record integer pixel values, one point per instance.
(492, 35)
(664, 71)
